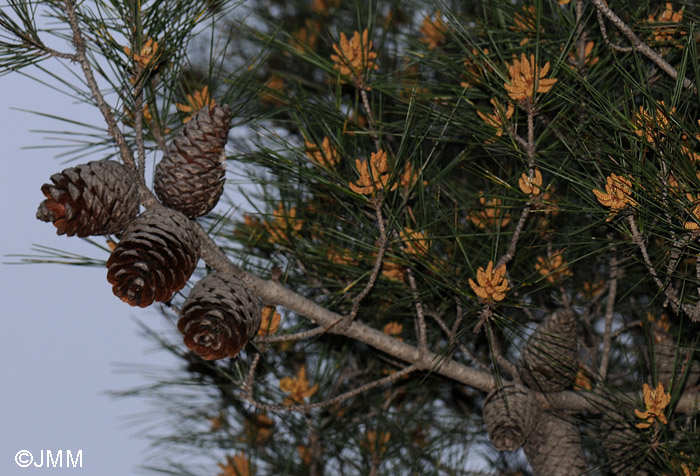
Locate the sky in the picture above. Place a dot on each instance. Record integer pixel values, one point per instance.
(64, 333)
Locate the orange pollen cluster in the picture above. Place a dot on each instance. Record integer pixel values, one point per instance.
(257, 430)
(650, 127)
(354, 57)
(415, 242)
(148, 52)
(617, 195)
(490, 285)
(575, 59)
(531, 186)
(553, 267)
(393, 271)
(393, 329)
(668, 23)
(237, 465)
(492, 213)
(655, 400)
(376, 442)
(307, 35)
(270, 322)
(433, 31)
(282, 222)
(272, 91)
(374, 174)
(526, 79)
(409, 177)
(324, 155)
(297, 387)
(500, 117)
(525, 21)
(695, 212)
(196, 101)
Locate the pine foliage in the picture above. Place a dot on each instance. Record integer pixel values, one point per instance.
(440, 205)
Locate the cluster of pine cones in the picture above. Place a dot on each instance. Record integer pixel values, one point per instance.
(159, 249)
(514, 417)
(551, 440)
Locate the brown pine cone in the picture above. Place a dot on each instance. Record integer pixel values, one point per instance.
(96, 198)
(548, 361)
(219, 317)
(190, 177)
(554, 448)
(155, 257)
(510, 414)
(625, 448)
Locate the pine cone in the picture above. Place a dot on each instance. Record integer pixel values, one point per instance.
(154, 258)
(673, 363)
(548, 361)
(554, 448)
(96, 198)
(624, 447)
(190, 177)
(219, 317)
(510, 414)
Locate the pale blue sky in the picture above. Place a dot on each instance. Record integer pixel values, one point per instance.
(62, 328)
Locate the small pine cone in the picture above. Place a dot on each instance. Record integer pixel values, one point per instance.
(154, 259)
(548, 361)
(625, 448)
(219, 317)
(96, 198)
(510, 414)
(190, 177)
(554, 448)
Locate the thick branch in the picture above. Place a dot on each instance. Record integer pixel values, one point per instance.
(592, 402)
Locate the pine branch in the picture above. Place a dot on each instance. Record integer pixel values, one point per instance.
(138, 126)
(381, 249)
(80, 53)
(639, 45)
(420, 315)
(291, 337)
(604, 32)
(609, 312)
(247, 394)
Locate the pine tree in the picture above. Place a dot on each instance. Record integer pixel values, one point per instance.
(466, 237)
